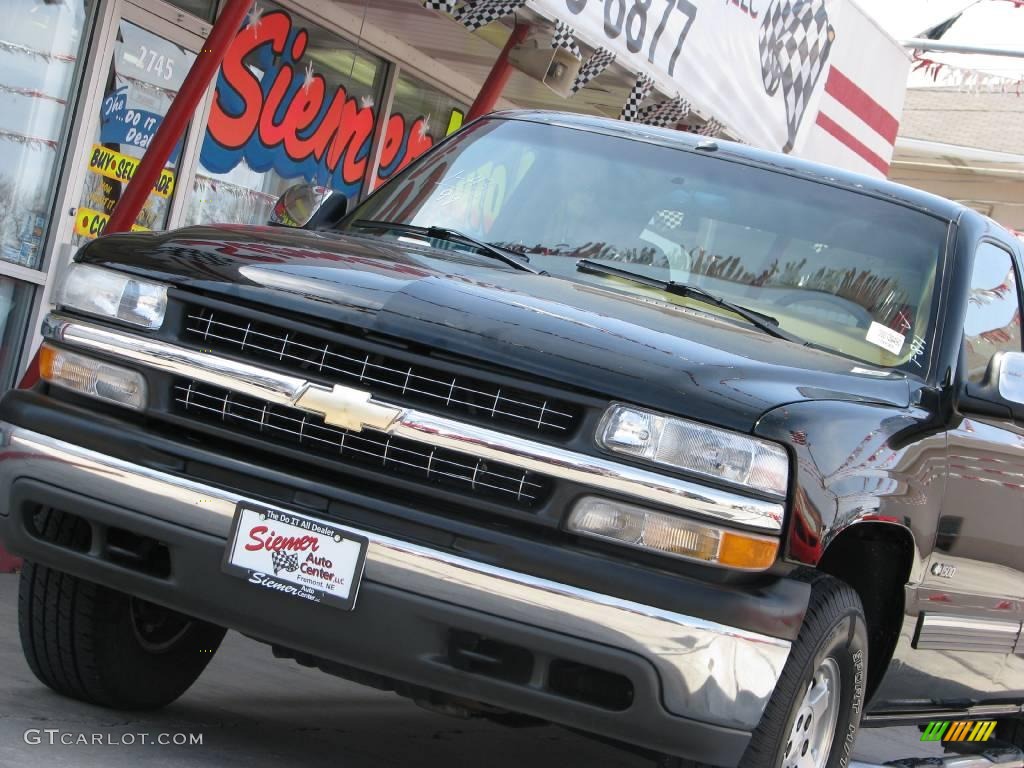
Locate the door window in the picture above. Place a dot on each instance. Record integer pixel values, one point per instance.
(144, 77)
(993, 310)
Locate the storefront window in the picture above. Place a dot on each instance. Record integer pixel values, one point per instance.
(294, 103)
(144, 76)
(39, 51)
(420, 117)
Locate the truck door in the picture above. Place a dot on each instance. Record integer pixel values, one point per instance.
(972, 594)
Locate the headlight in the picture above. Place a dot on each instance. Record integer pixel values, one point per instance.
(92, 377)
(667, 534)
(106, 293)
(692, 447)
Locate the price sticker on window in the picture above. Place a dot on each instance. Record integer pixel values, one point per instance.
(885, 337)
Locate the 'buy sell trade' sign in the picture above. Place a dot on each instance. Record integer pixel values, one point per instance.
(114, 165)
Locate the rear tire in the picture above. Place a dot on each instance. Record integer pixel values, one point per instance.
(101, 646)
(823, 679)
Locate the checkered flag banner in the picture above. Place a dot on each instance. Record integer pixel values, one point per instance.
(565, 37)
(639, 92)
(601, 59)
(483, 12)
(794, 40)
(446, 6)
(664, 114)
(283, 561)
(711, 128)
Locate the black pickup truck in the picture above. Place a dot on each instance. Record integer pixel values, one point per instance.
(706, 451)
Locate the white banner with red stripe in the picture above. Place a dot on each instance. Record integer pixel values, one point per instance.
(815, 78)
(862, 100)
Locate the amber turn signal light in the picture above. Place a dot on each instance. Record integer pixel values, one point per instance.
(741, 550)
(670, 534)
(91, 377)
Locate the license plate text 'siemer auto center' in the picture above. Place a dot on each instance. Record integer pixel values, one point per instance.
(296, 555)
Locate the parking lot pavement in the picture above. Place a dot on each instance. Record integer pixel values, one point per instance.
(253, 711)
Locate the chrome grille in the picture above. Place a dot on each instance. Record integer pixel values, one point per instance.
(381, 374)
(296, 428)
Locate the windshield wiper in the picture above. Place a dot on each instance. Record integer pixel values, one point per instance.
(766, 323)
(451, 236)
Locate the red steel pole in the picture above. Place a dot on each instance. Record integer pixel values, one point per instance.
(493, 86)
(199, 76)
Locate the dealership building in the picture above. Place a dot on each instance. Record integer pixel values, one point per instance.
(345, 93)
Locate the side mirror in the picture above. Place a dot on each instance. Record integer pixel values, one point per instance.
(1001, 392)
(308, 206)
(1010, 378)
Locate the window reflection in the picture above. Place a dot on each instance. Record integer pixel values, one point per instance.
(39, 56)
(993, 311)
(844, 270)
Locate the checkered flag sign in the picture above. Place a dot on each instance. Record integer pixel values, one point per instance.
(565, 37)
(592, 67)
(795, 40)
(483, 12)
(668, 219)
(711, 128)
(284, 561)
(664, 114)
(639, 92)
(447, 6)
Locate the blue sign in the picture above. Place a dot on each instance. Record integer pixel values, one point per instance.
(120, 124)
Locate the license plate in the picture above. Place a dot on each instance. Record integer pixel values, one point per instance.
(295, 555)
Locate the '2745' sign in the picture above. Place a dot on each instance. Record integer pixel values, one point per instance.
(289, 122)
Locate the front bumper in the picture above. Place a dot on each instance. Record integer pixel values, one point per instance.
(700, 687)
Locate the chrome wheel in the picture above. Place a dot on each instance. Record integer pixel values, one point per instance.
(811, 738)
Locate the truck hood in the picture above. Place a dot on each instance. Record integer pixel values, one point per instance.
(588, 333)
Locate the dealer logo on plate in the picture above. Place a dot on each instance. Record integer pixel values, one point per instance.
(296, 554)
(321, 561)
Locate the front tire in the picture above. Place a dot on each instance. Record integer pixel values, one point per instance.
(813, 717)
(101, 646)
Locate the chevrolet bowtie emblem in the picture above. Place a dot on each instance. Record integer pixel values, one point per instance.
(348, 408)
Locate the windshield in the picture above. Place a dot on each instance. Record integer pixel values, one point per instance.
(839, 269)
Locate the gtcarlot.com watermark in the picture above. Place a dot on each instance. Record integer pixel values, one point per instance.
(58, 737)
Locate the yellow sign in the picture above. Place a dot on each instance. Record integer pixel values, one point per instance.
(90, 223)
(114, 165)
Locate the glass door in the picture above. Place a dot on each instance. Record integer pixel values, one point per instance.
(147, 64)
